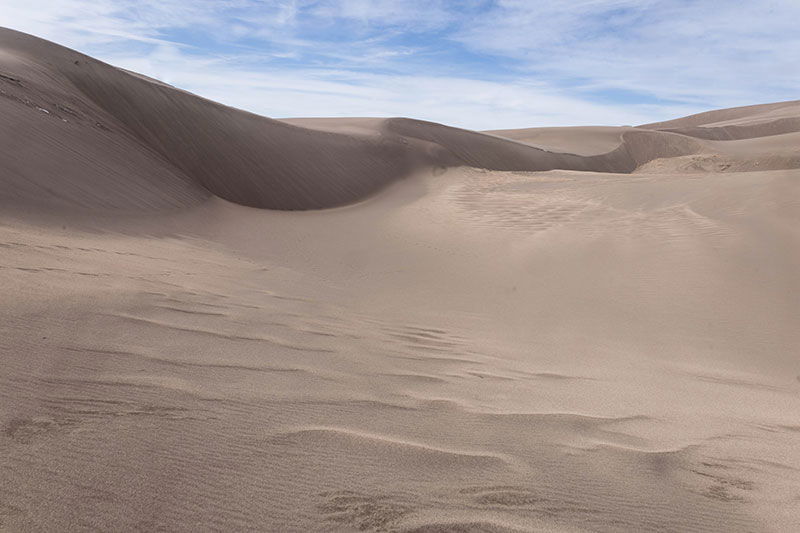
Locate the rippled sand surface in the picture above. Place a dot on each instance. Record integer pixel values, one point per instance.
(572, 341)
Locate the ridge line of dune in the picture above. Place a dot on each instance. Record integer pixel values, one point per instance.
(172, 146)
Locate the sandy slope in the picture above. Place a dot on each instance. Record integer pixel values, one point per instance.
(586, 140)
(737, 123)
(599, 334)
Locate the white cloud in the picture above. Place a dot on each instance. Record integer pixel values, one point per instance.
(415, 15)
(713, 52)
(323, 92)
(532, 62)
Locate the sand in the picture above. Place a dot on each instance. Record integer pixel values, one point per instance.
(212, 320)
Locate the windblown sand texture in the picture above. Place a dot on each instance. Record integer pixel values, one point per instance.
(216, 321)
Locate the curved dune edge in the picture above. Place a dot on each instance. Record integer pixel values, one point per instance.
(103, 128)
(735, 132)
(79, 132)
(119, 140)
(738, 123)
(721, 115)
(580, 140)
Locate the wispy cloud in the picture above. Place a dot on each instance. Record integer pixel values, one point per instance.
(702, 52)
(471, 63)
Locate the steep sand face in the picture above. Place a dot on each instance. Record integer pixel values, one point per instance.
(776, 152)
(156, 134)
(750, 143)
(59, 148)
(469, 350)
(238, 156)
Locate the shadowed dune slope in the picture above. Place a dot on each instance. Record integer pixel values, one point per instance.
(239, 156)
(597, 149)
(58, 147)
(81, 132)
(746, 139)
(85, 133)
(774, 152)
(463, 147)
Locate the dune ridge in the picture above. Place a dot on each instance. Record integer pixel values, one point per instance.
(736, 123)
(721, 115)
(144, 143)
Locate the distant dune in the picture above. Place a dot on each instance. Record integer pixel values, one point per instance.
(144, 143)
(543, 329)
(752, 115)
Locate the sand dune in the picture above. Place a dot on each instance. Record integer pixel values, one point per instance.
(734, 115)
(587, 140)
(236, 155)
(738, 123)
(143, 143)
(566, 329)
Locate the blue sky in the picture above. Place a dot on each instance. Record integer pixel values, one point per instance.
(478, 64)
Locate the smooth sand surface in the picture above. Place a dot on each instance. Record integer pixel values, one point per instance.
(581, 140)
(737, 123)
(589, 329)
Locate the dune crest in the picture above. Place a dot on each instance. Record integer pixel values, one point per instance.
(145, 144)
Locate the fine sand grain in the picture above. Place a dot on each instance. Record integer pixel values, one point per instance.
(566, 329)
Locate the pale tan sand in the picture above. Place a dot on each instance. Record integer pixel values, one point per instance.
(370, 127)
(738, 123)
(567, 349)
(581, 140)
